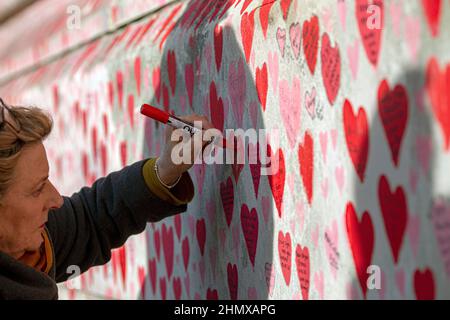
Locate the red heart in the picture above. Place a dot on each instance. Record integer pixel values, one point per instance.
(216, 107)
(285, 4)
(310, 37)
(306, 160)
(285, 255)
(172, 69)
(361, 238)
(94, 141)
(177, 223)
(201, 234)
(130, 105)
(123, 153)
(424, 286)
(105, 124)
(137, 74)
(395, 214)
(433, 14)
(141, 280)
(111, 94)
(371, 36)
(168, 248)
(249, 223)
(232, 280)
(357, 137)
(122, 253)
(176, 286)
(190, 82)
(245, 5)
(104, 158)
(438, 88)
(186, 251)
(264, 12)
(262, 85)
(152, 273)
(278, 179)
(227, 195)
(119, 80)
(156, 81)
(393, 110)
(331, 68)
(212, 294)
(218, 45)
(255, 165)
(157, 242)
(162, 287)
(247, 30)
(303, 269)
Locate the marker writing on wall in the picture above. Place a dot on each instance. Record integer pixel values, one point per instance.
(173, 121)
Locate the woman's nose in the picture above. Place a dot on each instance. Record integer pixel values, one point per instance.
(56, 201)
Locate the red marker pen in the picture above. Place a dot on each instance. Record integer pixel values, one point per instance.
(173, 121)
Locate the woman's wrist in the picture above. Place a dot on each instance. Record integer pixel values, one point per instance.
(166, 174)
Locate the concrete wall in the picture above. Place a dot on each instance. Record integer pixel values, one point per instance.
(363, 120)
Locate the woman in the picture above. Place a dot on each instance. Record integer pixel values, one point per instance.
(43, 233)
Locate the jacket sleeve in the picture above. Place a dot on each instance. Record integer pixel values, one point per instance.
(97, 219)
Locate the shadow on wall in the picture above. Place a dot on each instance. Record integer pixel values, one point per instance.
(226, 243)
(386, 224)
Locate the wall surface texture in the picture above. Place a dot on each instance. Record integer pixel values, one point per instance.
(363, 116)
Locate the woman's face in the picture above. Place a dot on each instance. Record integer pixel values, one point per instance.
(25, 205)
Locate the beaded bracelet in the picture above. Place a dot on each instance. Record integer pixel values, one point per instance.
(165, 185)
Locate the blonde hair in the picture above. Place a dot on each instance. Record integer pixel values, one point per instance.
(34, 125)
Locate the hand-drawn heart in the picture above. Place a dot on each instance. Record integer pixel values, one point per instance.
(311, 42)
(227, 195)
(255, 165)
(277, 180)
(262, 85)
(172, 70)
(281, 40)
(361, 236)
(306, 162)
(370, 26)
(285, 4)
(331, 68)
(441, 223)
(357, 137)
(331, 243)
(156, 82)
(237, 88)
(310, 102)
(137, 74)
(438, 89)
(186, 252)
(303, 269)
(249, 223)
(433, 14)
(295, 36)
(247, 30)
(264, 15)
(290, 108)
(424, 286)
(395, 214)
(216, 107)
(232, 280)
(393, 110)
(285, 255)
(176, 287)
(218, 46)
(119, 80)
(201, 234)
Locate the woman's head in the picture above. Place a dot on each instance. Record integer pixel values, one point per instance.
(26, 194)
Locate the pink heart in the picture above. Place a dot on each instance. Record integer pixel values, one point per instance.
(342, 11)
(295, 36)
(199, 170)
(270, 277)
(331, 247)
(291, 182)
(266, 205)
(396, 15)
(273, 69)
(323, 138)
(315, 236)
(333, 134)
(237, 88)
(423, 149)
(290, 107)
(441, 222)
(319, 283)
(252, 293)
(281, 39)
(414, 233)
(310, 102)
(326, 21)
(353, 58)
(324, 188)
(300, 214)
(400, 281)
(340, 177)
(412, 35)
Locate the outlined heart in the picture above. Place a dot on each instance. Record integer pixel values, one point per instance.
(310, 36)
(295, 35)
(285, 255)
(331, 68)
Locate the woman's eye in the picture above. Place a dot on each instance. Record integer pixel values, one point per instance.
(38, 192)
